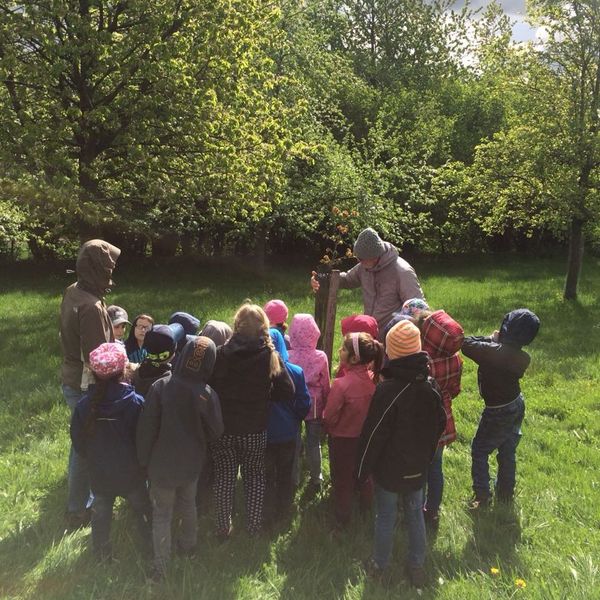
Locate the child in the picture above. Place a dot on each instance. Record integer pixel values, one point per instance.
(248, 373)
(502, 363)
(397, 443)
(284, 422)
(160, 343)
(441, 338)
(119, 319)
(357, 324)
(181, 417)
(304, 335)
(344, 414)
(277, 313)
(103, 431)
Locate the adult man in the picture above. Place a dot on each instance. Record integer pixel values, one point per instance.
(387, 280)
(84, 325)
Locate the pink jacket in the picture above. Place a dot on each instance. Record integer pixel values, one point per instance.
(304, 335)
(348, 402)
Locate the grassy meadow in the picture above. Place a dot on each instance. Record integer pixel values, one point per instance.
(550, 539)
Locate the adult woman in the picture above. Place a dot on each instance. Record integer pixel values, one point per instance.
(135, 341)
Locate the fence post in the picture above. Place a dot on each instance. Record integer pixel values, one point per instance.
(325, 310)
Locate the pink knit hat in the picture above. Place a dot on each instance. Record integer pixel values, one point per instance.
(276, 311)
(108, 360)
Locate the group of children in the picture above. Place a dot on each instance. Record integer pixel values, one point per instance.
(174, 411)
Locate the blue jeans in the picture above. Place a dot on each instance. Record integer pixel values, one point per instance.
(79, 495)
(499, 429)
(435, 482)
(102, 510)
(386, 511)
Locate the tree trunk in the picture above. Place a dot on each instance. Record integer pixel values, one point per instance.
(575, 259)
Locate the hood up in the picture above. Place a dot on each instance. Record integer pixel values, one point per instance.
(519, 327)
(304, 332)
(389, 256)
(196, 362)
(95, 263)
(189, 322)
(442, 336)
(218, 331)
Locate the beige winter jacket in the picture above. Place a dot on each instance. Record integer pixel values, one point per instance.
(385, 287)
(84, 322)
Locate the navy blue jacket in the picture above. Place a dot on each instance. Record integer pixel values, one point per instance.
(109, 445)
(286, 415)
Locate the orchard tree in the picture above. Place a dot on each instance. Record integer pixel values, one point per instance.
(155, 114)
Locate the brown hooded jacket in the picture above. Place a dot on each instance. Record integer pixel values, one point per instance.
(84, 322)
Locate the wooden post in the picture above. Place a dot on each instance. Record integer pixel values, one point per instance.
(325, 310)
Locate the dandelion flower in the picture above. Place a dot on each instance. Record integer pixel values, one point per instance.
(520, 583)
(495, 571)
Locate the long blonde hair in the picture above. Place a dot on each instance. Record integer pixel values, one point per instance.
(250, 320)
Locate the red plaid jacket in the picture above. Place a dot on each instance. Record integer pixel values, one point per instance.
(442, 338)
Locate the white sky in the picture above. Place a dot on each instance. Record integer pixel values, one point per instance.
(515, 9)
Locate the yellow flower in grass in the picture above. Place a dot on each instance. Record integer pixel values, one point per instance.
(495, 571)
(520, 583)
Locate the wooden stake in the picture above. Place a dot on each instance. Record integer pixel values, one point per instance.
(325, 311)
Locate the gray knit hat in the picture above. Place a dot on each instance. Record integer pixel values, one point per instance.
(368, 245)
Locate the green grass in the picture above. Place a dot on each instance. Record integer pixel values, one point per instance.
(550, 539)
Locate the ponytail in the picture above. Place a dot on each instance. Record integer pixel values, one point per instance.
(366, 349)
(250, 320)
(99, 394)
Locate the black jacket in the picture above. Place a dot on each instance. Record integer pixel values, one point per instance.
(242, 380)
(181, 416)
(402, 429)
(501, 365)
(109, 446)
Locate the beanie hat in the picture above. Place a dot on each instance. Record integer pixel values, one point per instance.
(402, 339)
(108, 360)
(117, 315)
(160, 344)
(360, 324)
(189, 322)
(413, 307)
(368, 245)
(519, 327)
(276, 311)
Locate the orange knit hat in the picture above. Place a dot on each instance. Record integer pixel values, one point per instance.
(402, 339)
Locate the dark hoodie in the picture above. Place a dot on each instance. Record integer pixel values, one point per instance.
(244, 384)
(84, 322)
(182, 415)
(503, 363)
(110, 445)
(403, 426)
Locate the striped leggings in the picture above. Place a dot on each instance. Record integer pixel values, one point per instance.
(246, 453)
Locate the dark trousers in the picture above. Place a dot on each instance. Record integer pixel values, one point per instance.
(102, 510)
(342, 466)
(279, 494)
(499, 429)
(245, 453)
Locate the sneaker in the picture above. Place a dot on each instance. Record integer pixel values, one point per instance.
(223, 536)
(417, 576)
(479, 502)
